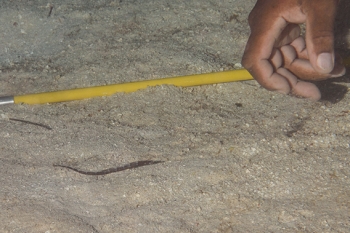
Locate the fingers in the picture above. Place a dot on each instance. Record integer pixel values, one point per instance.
(320, 16)
(300, 88)
(276, 59)
(266, 30)
(281, 80)
(264, 73)
(288, 35)
(295, 86)
(300, 48)
(277, 56)
(264, 62)
(302, 68)
(296, 59)
(266, 27)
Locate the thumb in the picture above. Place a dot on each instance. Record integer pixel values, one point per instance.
(320, 16)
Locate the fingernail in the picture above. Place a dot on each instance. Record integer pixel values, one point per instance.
(325, 62)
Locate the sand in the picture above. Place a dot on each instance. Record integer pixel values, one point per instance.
(235, 157)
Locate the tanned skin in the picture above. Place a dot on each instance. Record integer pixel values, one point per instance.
(279, 58)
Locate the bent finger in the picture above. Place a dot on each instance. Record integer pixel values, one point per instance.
(300, 88)
(256, 59)
(303, 69)
(300, 48)
(288, 35)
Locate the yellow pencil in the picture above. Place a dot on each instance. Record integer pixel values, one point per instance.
(90, 92)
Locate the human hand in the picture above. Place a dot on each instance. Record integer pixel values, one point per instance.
(279, 58)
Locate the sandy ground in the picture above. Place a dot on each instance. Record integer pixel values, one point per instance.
(237, 158)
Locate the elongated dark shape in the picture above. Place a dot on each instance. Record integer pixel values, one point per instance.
(31, 123)
(128, 166)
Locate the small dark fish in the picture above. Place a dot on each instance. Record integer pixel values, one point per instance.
(31, 123)
(128, 166)
(51, 7)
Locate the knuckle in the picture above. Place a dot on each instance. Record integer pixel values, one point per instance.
(246, 62)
